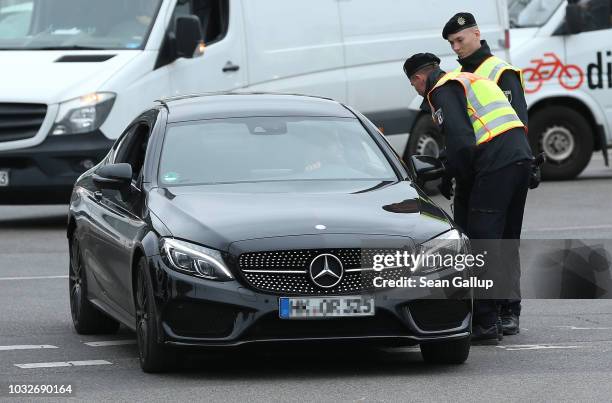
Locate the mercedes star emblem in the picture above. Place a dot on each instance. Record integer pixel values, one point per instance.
(326, 270)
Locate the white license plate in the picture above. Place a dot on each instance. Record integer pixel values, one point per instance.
(325, 307)
(4, 177)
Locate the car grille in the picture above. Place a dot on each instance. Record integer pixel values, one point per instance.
(20, 121)
(286, 272)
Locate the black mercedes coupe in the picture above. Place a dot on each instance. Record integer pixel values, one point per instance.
(223, 220)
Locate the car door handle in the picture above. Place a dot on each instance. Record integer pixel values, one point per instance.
(230, 67)
(97, 195)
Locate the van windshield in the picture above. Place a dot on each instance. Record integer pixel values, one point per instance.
(76, 24)
(531, 13)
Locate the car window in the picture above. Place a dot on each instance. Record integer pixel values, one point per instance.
(596, 14)
(15, 18)
(74, 24)
(271, 149)
(213, 15)
(132, 148)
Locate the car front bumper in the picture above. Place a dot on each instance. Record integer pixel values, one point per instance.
(45, 174)
(197, 312)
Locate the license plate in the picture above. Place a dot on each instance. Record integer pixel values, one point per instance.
(325, 307)
(4, 177)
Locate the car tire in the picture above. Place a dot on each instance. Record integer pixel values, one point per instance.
(566, 138)
(154, 356)
(425, 139)
(446, 352)
(86, 318)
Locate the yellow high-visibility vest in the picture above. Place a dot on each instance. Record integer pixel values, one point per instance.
(493, 67)
(487, 107)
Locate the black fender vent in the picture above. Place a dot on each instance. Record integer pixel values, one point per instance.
(84, 58)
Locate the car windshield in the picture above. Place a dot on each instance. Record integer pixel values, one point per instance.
(257, 149)
(76, 24)
(531, 13)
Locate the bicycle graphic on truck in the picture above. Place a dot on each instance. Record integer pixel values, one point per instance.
(570, 76)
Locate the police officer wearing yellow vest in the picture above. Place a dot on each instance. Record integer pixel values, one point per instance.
(475, 56)
(486, 144)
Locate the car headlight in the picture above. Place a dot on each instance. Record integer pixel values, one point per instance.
(441, 252)
(195, 260)
(84, 114)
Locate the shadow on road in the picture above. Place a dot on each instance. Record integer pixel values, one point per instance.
(48, 222)
(310, 361)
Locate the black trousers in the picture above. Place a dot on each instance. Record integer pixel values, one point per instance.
(492, 209)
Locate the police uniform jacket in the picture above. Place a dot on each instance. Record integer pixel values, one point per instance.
(509, 81)
(466, 160)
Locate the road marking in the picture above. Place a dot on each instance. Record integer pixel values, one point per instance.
(25, 347)
(607, 226)
(63, 364)
(30, 278)
(584, 328)
(519, 347)
(110, 343)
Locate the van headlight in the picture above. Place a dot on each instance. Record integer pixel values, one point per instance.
(195, 260)
(84, 114)
(443, 252)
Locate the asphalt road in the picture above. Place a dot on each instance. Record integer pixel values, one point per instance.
(564, 350)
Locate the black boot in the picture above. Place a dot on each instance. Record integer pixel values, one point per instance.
(485, 335)
(500, 329)
(510, 324)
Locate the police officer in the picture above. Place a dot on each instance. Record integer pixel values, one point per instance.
(475, 56)
(486, 144)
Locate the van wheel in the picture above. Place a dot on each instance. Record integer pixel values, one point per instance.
(566, 138)
(425, 139)
(446, 352)
(86, 318)
(153, 355)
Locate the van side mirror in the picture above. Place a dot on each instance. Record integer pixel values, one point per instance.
(573, 18)
(113, 176)
(426, 168)
(188, 36)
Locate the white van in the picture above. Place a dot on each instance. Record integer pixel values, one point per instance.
(566, 57)
(73, 73)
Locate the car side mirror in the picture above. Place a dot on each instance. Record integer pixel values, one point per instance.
(113, 176)
(573, 19)
(188, 36)
(426, 168)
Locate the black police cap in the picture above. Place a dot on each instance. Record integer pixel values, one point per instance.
(418, 61)
(458, 22)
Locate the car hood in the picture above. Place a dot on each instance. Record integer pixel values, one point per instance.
(218, 215)
(55, 76)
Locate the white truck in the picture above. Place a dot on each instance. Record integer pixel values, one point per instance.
(566, 56)
(74, 73)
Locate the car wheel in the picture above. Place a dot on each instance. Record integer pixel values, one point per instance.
(566, 138)
(86, 318)
(154, 356)
(425, 139)
(446, 352)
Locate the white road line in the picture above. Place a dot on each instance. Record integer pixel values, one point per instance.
(26, 347)
(519, 347)
(576, 228)
(584, 328)
(30, 278)
(110, 343)
(63, 364)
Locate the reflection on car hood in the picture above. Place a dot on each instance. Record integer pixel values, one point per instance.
(217, 215)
